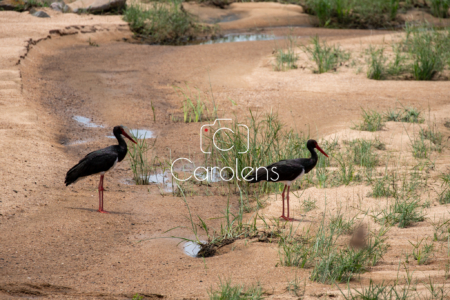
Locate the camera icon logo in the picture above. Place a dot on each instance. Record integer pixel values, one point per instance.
(206, 128)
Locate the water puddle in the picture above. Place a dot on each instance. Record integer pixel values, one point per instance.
(245, 37)
(139, 134)
(78, 142)
(192, 248)
(163, 179)
(86, 122)
(224, 19)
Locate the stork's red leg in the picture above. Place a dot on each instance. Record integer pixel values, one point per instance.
(287, 197)
(100, 195)
(282, 199)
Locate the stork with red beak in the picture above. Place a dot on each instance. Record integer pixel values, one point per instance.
(287, 171)
(100, 162)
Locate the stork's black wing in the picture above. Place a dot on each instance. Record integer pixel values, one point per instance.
(93, 163)
(284, 170)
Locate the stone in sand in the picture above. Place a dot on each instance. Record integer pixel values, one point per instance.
(96, 6)
(40, 14)
(59, 6)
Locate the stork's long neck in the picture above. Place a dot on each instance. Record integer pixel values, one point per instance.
(120, 139)
(314, 156)
(122, 146)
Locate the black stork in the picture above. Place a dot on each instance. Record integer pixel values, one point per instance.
(287, 171)
(100, 162)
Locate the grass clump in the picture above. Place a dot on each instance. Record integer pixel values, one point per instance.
(362, 153)
(309, 204)
(439, 8)
(326, 57)
(227, 291)
(403, 212)
(383, 187)
(422, 254)
(441, 230)
(194, 106)
(376, 61)
(141, 162)
(421, 56)
(428, 140)
(163, 22)
(372, 121)
(444, 196)
(353, 14)
(380, 291)
(428, 51)
(330, 262)
(408, 114)
(286, 59)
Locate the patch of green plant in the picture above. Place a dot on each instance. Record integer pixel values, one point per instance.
(444, 196)
(348, 13)
(137, 297)
(294, 287)
(309, 204)
(141, 162)
(330, 263)
(372, 121)
(400, 63)
(422, 254)
(441, 230)
(376, 62)
(341, 224)
(286, 59)
(340, 265)
(346, 172)
(227, 291)
(375, 291)
(326, 57)
(383, 187)
(403, 212)
(163, 22)
(428, 51)
(439, 8)
(194, 106)
(362, 153)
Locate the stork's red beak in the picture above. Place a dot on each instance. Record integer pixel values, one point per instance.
(320, 149)
(127, 136)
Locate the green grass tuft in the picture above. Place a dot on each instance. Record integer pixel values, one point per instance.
(286, 59)
(163, 22)
(227, 291)
(372, 121)
(326, 57)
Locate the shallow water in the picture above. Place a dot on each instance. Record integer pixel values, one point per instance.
(224, 19)
(86, 122)
(246, 37)
(163, 179)
(139, 134)
(143, 133)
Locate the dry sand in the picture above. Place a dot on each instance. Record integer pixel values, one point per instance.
(55, 245)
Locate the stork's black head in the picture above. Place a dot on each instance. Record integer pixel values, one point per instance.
(123, 131)
(311, 144)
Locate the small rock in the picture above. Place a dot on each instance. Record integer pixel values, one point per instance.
(96, 6)
(59, 6)
(40, 14)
